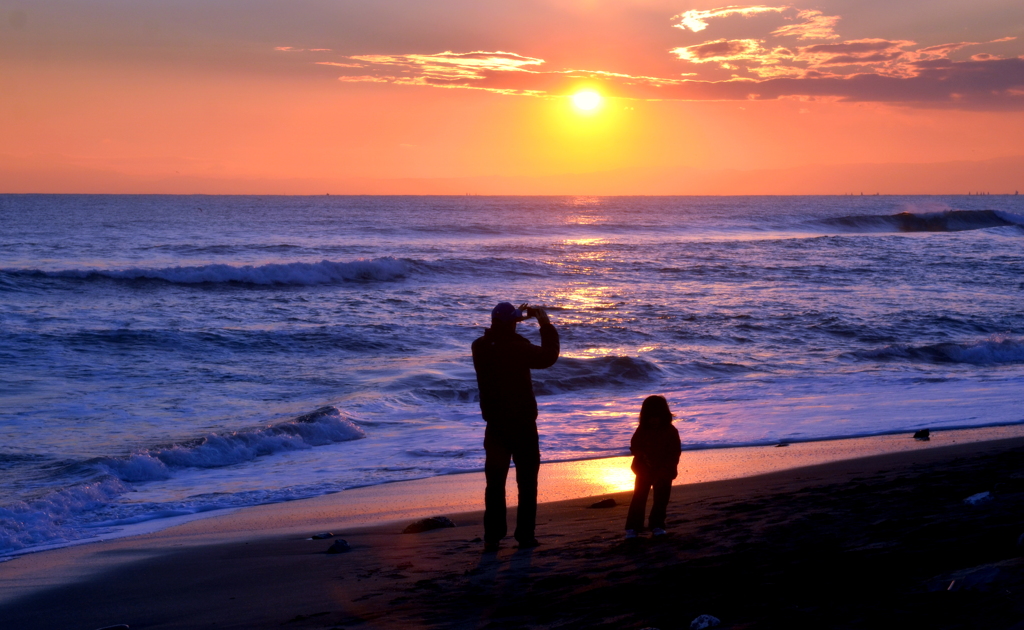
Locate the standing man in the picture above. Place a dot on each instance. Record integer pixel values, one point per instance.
(503, 360)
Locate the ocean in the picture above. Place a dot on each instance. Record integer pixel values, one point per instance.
(168, 355)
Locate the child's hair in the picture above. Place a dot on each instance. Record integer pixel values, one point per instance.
(655, 412)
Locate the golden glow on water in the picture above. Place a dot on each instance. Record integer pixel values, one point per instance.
(586, 242)
(582, 297)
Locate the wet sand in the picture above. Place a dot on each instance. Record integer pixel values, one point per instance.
(880, 541)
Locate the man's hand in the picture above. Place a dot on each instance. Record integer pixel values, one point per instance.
(542, 317)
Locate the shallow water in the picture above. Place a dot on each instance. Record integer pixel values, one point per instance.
(157, 352)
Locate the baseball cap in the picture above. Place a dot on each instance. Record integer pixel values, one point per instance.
(505, 312)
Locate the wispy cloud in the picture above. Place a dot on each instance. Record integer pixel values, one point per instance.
(292, 49)
(727, 52)
(697, 21)
(815, 25)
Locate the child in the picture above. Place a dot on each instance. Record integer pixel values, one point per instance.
(655, 448)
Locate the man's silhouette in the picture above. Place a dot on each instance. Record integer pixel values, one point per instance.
(503, 360)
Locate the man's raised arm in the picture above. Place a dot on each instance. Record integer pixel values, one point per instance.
(545, 355)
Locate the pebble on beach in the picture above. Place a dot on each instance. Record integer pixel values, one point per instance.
(427, 524)
(339, 546)
(606, 503)
(704, 621)
(977, 499)
(924, 435)
(322, 536)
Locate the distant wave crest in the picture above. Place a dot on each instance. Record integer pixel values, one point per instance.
(566, 375)
(993, 351)
(570, 374)
(947, 221)
(295, 273)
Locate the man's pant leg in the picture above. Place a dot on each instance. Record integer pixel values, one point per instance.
(495, 473)
(527, 459)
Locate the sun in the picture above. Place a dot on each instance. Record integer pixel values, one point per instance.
(586, 100)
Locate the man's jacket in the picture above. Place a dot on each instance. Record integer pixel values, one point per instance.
(503, 362)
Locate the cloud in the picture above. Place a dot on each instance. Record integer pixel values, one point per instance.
(815, 26)
(882, 56)
(697, 21)
(859, 70)
(292, 49)
(885, 57)
(366, 78)
(721, 50)
(449, 66)
(727, 53)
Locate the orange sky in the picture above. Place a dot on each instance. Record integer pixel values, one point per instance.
(451, 97)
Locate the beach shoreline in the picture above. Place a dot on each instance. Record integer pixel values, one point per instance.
(84, 579)
(559, 481)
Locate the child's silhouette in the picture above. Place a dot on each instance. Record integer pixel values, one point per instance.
(655, 447)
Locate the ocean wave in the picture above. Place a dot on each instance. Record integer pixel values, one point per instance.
(46, 519)
(295, 273)
(993, 351)
(358, 337)
(567, 375)
(946, 221)
(324, 426)
(571, 374)
(76, 511)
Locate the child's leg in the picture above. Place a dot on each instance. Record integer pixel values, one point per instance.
(635, 516)
(662, 489)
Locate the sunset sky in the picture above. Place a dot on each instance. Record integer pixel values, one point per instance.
(456, 96)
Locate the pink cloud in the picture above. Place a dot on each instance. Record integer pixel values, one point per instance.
(816, 25)
(697, 21)
(721, 50)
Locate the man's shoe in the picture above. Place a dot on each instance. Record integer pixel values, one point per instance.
(658, 531)
(491, 546)
(529, 544)
(630, 534)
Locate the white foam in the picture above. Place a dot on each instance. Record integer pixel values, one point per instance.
(44, 520)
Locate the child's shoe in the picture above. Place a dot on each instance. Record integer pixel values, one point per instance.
(658, 531)
(630, 534)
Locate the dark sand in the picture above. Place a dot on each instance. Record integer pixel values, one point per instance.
(877, 542)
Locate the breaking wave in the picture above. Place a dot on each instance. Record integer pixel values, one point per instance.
(947, 221)
(296, 273)
(323, 426)
(56, 516)
(994, 351)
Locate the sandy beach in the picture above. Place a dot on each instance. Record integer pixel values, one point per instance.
(878, 541)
